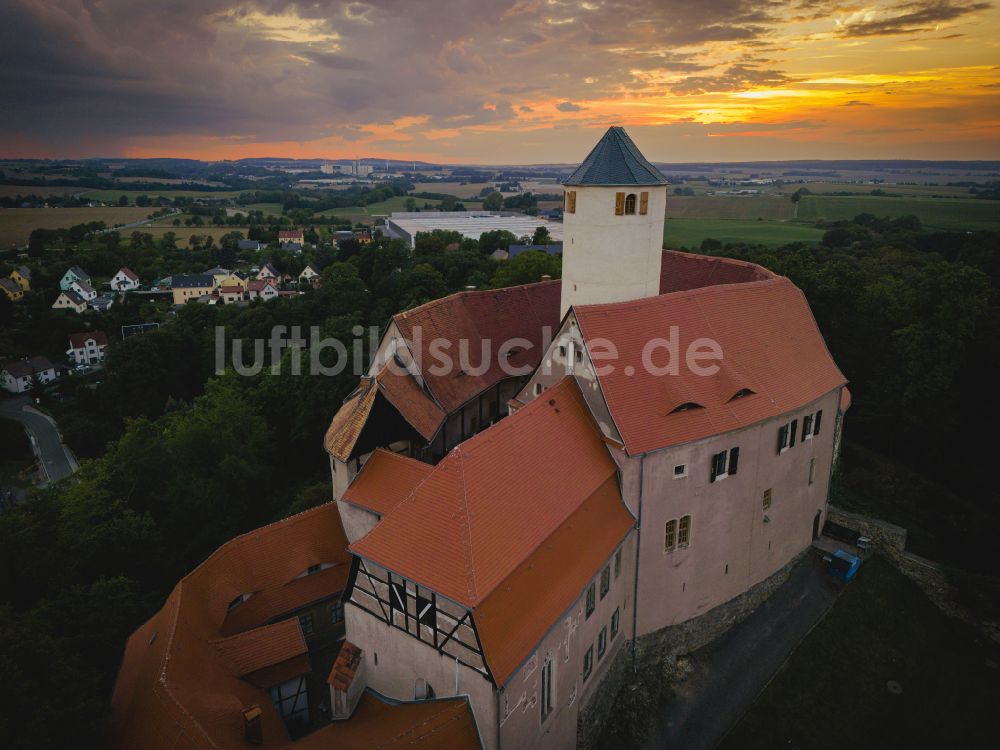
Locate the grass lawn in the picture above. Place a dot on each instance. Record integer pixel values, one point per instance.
(747, 207)
(934, 213)
(17, 224)
(689, 233)
(833, 691)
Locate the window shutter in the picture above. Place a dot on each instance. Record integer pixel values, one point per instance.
(619, 204)
(795, 426)
(643, 203)
(715, 472)
(734, 460)
(572, 202)
(782, 436)
(816, 421)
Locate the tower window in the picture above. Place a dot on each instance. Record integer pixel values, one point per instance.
(630, 204)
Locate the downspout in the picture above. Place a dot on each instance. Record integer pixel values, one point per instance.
(638, 547)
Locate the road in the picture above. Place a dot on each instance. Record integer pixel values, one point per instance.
(55, 458)
(727, 675)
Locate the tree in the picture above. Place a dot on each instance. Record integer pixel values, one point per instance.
(123, 200)
(527, 268)
(493, 201)
(411, 203)
(541, 236)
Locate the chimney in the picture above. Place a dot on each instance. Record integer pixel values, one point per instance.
(252, 730)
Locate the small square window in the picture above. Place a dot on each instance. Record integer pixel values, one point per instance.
(591, 600)
(680, 471)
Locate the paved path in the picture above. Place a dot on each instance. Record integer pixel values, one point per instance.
(55, 458)
(728, 674)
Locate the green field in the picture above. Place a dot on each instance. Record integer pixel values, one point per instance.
(747, 207)
(833, 692)
(943, 213)
(269, 209)
(113, 195)
(689, 233)
(927, 191)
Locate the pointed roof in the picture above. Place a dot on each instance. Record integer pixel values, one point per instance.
(616, 160)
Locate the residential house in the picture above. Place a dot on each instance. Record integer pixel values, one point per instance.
(231, 293)
(87, 348)
(286, 236)
(73, 274)
(21, 276)
(253, 245)
(70, 300)
(84, 289)
(125, 280)
(19, 375)
(11, 288)
(187, 287)
(265, 289)
(292, 247)
(103, 302)
(267, 271)
(309, 273)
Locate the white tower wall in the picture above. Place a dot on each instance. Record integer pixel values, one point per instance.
(611, 258)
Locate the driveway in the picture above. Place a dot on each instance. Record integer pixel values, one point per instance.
(55, 458)
(727, 675)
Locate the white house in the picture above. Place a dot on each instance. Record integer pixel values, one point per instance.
(73, 274)
(70, 300)
(267, 271)
(16, 377)
(125, 280)
(265, 289)
(87, 348)
(84, 289)
(309, 273)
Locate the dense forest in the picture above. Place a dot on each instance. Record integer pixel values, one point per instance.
(183, 459)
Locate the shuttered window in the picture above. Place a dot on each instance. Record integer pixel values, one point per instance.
(734, 460)
(630, 204)
(795, 427)
(718, 465)
(816, 422)
(807, 424)
(643, 204)
(619, 204)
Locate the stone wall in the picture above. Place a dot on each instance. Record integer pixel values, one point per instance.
(699, 631)
(887, 537)
(592, 716)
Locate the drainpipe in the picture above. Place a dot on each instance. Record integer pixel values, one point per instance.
(638, 547)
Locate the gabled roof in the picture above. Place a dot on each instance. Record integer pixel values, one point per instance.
(21, 367)
(84, 284)
(290, 233)
(73, 297)
(231, 289)
(616, 160)
(498, 315)
(770, 345)
(79, 273)
(188, 281)
(386, 480)
(24, 272)
(129, 273)
(10, 285)
(79, 340)
(494, 499)
(511, 523)
(401, 390)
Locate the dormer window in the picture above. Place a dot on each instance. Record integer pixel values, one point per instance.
(687, 406)
(237, 601)
(741, 393)
(630, 204)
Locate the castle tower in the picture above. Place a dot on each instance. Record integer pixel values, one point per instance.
(613, 211)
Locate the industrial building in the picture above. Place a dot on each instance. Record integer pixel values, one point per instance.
(406, 224)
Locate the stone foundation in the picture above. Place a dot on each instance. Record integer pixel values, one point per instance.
(592, 716)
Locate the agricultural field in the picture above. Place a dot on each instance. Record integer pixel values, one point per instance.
(942, 213)
(184, 233)
(269, 209)
(386, 207)
(12, 191)
(689, 233)
(927, 191)
(111, 196)
(17, 224)
(745, 207)
(459, 190)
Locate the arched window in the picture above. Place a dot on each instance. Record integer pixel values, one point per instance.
(630, 204)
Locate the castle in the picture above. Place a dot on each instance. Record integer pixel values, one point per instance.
(650, 440)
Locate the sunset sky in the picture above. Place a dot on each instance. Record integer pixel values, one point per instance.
(500, 82)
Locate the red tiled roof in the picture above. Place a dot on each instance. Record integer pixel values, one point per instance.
(494, 499)
(345, 667)
(401, 390)
(262, 647)
(845, 400)
(770, 345)
(515, 617)
(680, 271)
(290, 233)
(79, 340)
(231, 289)
(257, 285)
(129, 273)
(498, 315)
(386, 480)
(178, 685)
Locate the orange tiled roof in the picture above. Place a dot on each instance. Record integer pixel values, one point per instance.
(498, 315)
(386, 480)
(401, 390)
(515, 617)
(179, 683)
(494, 499)
(680, 272)
(345, 667)
(770, 345)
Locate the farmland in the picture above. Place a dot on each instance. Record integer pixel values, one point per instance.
(942, 213)
(16, 224)
(746, 207)
(689, 233)
(112, 196)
